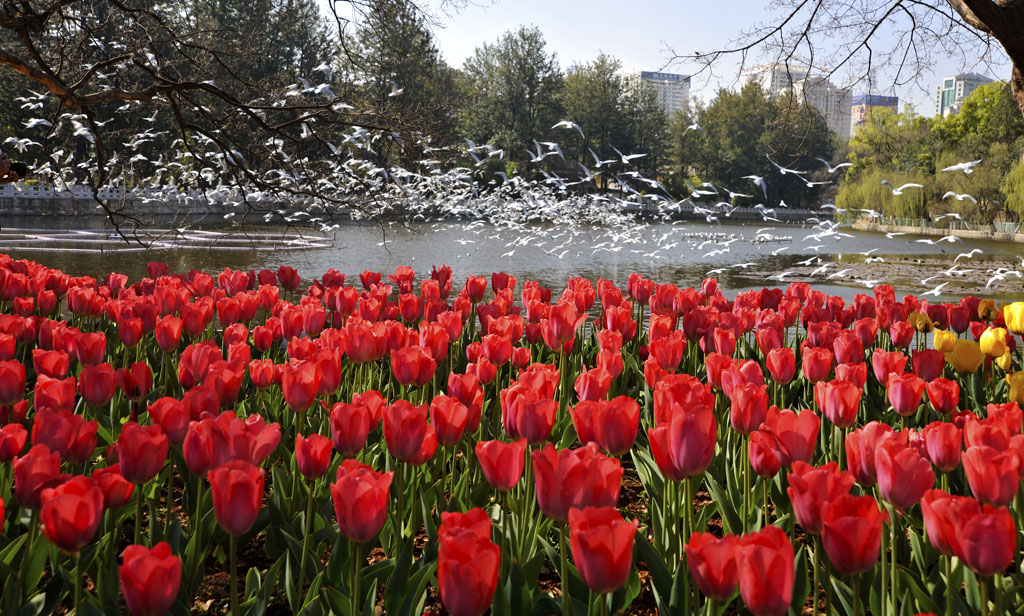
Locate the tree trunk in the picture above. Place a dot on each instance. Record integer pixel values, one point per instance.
(1017, 86)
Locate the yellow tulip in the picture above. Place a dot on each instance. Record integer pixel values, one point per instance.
(966, 356)
(944, 340)
(1013, 314)
(921, 322)
(1005, 361)
(993, 342)
(987, 310)
(1016, 381)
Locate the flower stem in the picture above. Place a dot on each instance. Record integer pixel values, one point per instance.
(138, 513)
(984, 596)
(233, 555)
(949, 585)
(564, 571)
(305, 538)
(357, 577)
(78, 585)
(856, 595)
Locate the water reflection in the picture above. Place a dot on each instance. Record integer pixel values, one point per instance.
(680, 253)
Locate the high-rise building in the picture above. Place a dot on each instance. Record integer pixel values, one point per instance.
(830, 100)
(862, 104)
(673, 90)
(950, 94)
(773, 78)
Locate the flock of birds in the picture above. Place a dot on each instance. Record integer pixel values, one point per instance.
(449, 190)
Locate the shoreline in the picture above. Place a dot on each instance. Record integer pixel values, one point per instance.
(991, 235)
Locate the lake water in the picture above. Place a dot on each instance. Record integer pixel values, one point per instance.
(682, 253)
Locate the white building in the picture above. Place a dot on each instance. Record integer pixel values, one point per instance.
(773, 78)
(950, 94)
(831, 101)
(673, 90)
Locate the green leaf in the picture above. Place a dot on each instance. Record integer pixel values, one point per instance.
(395, 589)
(730, 517)
(909, 582)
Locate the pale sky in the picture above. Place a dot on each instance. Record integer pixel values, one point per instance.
(640, 33)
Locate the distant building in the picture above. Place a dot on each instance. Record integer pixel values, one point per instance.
(773, 78)
(950, 94)
(862, 104)
(830, 100)
(673, 90)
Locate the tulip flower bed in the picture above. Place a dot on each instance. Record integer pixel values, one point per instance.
(405, 447)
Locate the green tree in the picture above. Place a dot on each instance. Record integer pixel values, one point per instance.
(892, 141)
(1013, 190)
(516, 88)
(397, 68)
(592, 97)
(739, 129)
(646, 125)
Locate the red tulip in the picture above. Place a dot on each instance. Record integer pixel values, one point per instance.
(561, 325)
(448, 418)
(574, 478)
(90, 347)
(853, 373)
(71, 513)
(33, 472)
(943, 395)
(172, 417)
(943, 442)
(749, 407)
(54, 394)
(12, 441)
(97, 384)
(768, 339)
(237, 490)
(766, 571)
(12, 382)
(615, 423)
(904, 392)
(886, 363)
(583, 421)
(602, 546)
(928, 363)
(901, 333)
(992, 475)
(168, 333)
(817, 362)
(860, 450)
(991, 431)
(668, 350)
(684, 448)
(527, 413)
(350, 426)
(943, 515)
(852, 533)
(811, 488)
(129, 330)
(848, 348)
(117, 490)
(467, 571)
(502, 463)
(150, 579)
(714, 564)
(413, 365)
(313, 455)
(682, 390)
(796, 433)
(135, 381)
(405, 428)
(475, 521)
(988, 540)
(360, 497)
(781, 364)
(903, 476)
(300, 382)
(763, 455)
(839, 401)
(54, 364)
(593, 384)
(142, 451)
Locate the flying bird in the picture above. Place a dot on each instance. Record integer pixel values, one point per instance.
(899, 191)
(570, 125)
(967, 167)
